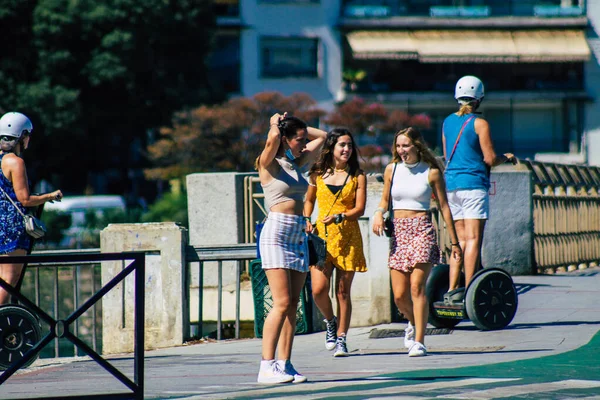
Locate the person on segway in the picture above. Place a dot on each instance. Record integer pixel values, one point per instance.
(469, 154)
(15, 135)
(408, 184)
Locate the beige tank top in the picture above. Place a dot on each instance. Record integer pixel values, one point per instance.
(289, 184)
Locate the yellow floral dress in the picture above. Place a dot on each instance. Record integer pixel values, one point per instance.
(344, 240)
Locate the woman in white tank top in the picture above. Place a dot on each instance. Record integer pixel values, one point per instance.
(410, 179)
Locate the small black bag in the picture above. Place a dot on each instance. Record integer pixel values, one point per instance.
(317, 250)
(388, 222)
(388, 226)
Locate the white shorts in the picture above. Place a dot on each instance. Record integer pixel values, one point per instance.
(469, 204)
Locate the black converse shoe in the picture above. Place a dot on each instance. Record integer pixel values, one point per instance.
(330, 333)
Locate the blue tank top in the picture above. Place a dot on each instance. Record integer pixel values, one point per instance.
(12, 227)
(466, 170)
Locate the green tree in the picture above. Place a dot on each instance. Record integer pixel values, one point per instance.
(97, 77)
(171, 206)
(225, 137)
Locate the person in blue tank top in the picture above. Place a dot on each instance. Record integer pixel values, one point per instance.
(15, 134)
(469, 154)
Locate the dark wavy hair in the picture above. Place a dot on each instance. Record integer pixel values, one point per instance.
(288, 127)
(326, 163)
(417, 139)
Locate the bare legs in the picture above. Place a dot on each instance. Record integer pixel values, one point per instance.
(470, 237)
(320, 280)
(11, 274)
(410, 298)
(343, 283)
(280, 325)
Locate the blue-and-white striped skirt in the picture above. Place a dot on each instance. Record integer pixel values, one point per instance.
(283, 242)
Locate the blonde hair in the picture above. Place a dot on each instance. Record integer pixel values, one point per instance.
(417, 140)
(468, 108)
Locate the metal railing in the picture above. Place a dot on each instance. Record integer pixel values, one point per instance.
(237, 253)
(58, 289)
(66, 328)
(566, 216)
(254, 209)
(410, 8)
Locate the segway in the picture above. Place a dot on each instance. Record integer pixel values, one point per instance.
(490, 299)
(20, 329)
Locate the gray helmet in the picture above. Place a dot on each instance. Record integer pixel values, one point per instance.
(15, 124)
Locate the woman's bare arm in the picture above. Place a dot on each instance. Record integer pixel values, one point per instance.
(17, 174)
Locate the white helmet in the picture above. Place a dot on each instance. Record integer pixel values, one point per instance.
(468, 87)
(15, 124)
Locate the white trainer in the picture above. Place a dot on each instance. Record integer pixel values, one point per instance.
(287, 367)
(270, 373)
(417, 350)
(409, 336)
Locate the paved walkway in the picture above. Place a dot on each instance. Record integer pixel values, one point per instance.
(550, 351)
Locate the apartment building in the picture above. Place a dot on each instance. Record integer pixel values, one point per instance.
(536, 57)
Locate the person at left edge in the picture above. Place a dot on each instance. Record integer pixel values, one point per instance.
(15, 137)
(290, 145)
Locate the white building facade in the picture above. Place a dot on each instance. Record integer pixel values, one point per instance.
(536, 59)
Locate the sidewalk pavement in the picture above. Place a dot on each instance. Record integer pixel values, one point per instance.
(550, 350)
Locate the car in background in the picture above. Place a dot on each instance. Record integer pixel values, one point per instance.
(83, 212)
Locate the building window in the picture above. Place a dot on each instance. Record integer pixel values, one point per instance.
(288, 57)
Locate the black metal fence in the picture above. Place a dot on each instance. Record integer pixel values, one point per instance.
(67, 327)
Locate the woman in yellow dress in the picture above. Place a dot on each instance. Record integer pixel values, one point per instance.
(340, 187)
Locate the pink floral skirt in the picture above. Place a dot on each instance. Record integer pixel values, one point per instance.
(414, 242)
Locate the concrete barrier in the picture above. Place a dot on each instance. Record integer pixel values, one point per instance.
(508, 238)
(167, 314)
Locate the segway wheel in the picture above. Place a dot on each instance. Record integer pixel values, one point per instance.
(491, 299)
(19, 331)
(437, 285)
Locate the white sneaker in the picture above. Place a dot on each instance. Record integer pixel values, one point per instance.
(409, 336)
(417, 350)
(287, 367)
(270, 373)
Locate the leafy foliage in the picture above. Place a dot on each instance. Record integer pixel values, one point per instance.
(171, 206)
(226, 137)
(96, 77)
(371, 118)
(229, 136)
(56, 223)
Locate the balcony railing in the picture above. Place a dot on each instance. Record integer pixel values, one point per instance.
(463, 9)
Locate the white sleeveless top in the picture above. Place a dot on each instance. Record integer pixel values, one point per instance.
(410, 187)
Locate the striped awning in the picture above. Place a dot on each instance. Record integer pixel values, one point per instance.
(474, 46)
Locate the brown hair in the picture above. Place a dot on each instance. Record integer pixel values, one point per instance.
(325, 163)
(288, 127)
(417, 140)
